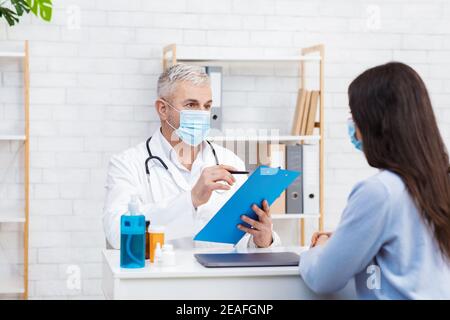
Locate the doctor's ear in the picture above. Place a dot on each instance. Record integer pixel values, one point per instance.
(161, 109)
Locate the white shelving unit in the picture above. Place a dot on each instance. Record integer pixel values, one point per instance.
(10, 282)
(12, 54)
(315, 54)
(206, 58)
(11, 219)
(257, 138)
(294, 216)
(12, 138)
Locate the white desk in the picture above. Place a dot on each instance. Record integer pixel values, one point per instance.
(190, 280)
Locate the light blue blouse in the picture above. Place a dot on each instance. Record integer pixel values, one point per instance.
(383, 243)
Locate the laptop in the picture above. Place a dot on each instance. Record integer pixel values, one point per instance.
(260, 259)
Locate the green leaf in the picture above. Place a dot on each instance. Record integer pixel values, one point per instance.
(21, 6)
(10, 16)
(41, 8)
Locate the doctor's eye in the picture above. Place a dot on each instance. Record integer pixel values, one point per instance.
(191, 106)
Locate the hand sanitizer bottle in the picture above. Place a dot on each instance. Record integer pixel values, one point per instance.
(132, 236)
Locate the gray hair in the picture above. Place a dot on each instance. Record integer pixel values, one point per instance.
(167, 81)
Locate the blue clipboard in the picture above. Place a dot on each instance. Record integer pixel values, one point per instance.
(265, 183)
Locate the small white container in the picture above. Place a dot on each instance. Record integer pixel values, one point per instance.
(158, 254)
(168, 256)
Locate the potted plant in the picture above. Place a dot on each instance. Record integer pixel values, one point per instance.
(12, 10)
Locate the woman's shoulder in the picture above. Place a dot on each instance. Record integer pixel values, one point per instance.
(384, 185)
(378, 193)
(391, 181)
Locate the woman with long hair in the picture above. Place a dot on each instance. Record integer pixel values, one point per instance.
(394, 234)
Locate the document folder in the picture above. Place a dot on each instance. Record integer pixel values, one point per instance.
(310, 179)
(294, 193)
(265, 183)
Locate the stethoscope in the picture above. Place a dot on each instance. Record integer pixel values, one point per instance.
(151, 156)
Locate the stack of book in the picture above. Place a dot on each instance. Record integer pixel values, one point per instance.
(305, 112)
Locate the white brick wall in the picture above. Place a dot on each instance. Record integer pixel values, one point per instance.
(93, 89)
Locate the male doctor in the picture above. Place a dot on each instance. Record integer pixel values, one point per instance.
(187, 179)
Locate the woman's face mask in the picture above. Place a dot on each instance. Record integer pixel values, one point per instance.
(352, 134)
(194, 125)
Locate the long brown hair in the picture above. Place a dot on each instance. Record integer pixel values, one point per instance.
(392, 109)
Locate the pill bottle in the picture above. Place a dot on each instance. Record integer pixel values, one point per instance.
(156, 234)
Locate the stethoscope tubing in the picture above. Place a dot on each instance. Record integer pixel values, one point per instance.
(151, 156)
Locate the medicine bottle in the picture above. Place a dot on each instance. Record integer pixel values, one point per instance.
(156, 235)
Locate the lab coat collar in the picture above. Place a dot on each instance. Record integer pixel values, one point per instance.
(167, 153)
(156, 146)
(205, 153)
(171, 154)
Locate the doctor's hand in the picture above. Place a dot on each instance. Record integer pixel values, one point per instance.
(211, 179)
(261, 229)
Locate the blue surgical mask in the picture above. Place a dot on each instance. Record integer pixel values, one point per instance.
(352, 134)
(194, 126)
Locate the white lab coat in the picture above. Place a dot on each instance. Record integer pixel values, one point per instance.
(165, 195)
